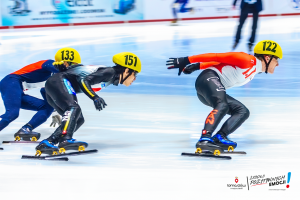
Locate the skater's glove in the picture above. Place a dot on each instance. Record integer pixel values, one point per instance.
(56, 119)
(60, 66)
(179, 63)
(99, 103)
(191, 68)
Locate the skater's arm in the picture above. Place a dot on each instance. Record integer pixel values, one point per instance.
(48, 65)
(205, 65)
(101, 75)
(239, 59)
(196, 66)
(85, 86)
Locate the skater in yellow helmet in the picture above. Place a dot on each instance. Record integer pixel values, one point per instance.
(63, 87)
(221, 71)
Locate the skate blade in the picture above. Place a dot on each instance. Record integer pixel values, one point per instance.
(207, 155)
(234, 152)
(20, 142)
(44, 158)
(1, 149)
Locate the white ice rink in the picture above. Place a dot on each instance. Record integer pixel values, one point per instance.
(141, 133)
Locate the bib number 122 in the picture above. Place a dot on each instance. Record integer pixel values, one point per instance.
(268, 46)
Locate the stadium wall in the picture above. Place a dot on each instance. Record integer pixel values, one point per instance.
(48, 13)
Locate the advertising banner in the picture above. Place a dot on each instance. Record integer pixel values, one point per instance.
(165, 9)
(32, 12)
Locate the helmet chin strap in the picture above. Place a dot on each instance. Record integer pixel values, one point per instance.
(268, 63)
(122, 80)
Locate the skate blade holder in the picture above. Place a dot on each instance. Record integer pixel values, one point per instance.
(216, 152)
(80, 149)
(33, 139)
(39, 153)
(230, 149)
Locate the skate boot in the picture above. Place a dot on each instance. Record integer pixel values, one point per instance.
(222, 140)
(46, 147)
(71, 144)
(26, 134)
(207, 145)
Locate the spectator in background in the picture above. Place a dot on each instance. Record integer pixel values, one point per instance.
(179, 7)
(247, 6)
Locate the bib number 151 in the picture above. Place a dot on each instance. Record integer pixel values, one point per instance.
(130, 60)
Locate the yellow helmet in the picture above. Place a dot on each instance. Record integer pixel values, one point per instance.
(268, 47)
(67, 54)
(129, 60)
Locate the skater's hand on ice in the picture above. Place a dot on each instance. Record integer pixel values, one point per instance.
(191, 68)
(179, 63)
(99, 103)
(56, 119)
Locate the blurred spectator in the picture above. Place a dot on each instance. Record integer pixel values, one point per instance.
(247, 6)
(179, 7)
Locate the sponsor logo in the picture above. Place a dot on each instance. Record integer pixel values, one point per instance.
(236, 185)
(19, 8)
(211, 117)
(217, 82)
(66, 116)
(59, 4)
(272, 182)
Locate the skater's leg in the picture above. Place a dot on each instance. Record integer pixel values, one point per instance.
(69, 121)
(254, 27)
(183, 9)
(35, 104)
(174, 11)
(243, 17)
(211, 92)
(11, 92)
(239, 114)
(210, 89)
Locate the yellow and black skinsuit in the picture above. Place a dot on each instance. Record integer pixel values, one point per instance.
(61, 90)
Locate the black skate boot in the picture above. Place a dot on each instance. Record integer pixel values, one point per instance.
(46, 147)
(207, 145)
(71, 144)
(26, 134)
(222, 140)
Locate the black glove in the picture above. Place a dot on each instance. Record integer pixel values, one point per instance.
(99, 103)
(191, 68)
(60, 66)
(178, 63)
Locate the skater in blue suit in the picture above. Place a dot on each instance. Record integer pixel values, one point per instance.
(12, 91)
(179, 7)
